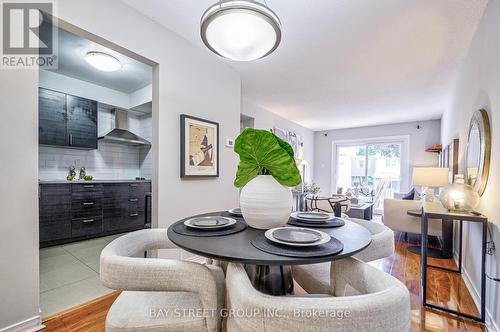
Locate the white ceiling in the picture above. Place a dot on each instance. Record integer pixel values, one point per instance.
(348, 63)
(133, 75)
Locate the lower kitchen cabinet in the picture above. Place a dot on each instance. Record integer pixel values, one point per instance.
(71, 212)
(86, 226)
(123, 206)
(54, 212)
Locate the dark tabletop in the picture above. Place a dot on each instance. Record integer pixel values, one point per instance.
(414, 213)
(237, 247)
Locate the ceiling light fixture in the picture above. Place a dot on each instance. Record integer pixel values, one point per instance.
(103, 61)
(241, 30)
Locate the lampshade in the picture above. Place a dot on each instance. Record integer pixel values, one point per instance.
(430, 176)
(240, 30)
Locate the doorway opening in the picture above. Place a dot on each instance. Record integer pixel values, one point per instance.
(97, 179)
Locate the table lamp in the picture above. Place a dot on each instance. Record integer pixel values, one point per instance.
(459, 197)
(430, 178)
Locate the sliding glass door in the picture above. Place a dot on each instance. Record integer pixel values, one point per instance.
(371, 171)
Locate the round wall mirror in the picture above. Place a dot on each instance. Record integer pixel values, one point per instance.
(478, 153)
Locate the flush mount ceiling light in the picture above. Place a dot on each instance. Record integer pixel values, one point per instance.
(241, 30)
(103, 61)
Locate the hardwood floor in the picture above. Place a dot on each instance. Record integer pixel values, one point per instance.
(89, 317)
(443, 287)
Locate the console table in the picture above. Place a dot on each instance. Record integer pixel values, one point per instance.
(437, 211)
(447, 234)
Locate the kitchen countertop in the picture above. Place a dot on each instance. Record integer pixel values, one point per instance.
(92, 181)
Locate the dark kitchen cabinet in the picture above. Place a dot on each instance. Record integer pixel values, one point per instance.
(86, 226)
(55, 212)
(124, 205)
(66, 120)
(75, 211)
(82, 122)
(52, 118)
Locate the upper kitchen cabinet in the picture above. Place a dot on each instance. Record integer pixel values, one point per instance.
(52, 118)
(82, 122)
(66, 120)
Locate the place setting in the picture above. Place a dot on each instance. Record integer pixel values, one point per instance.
(297, 242)
(207, 226)
(234, 213)
(315, 219)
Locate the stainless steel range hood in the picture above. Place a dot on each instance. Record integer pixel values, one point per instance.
(121, 134)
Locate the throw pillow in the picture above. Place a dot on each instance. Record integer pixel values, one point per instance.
(409, 196)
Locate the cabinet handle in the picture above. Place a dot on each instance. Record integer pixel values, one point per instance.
(88, 186)
(133, 214)
(133, 184)
(88, 203)
(70, 139)
(133, 200)
(86, 221)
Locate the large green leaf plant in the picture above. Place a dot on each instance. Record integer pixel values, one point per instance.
(263, 153)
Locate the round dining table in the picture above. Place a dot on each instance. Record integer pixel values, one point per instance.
(269, 273)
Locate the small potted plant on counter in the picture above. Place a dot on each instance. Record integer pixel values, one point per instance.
(266, 172)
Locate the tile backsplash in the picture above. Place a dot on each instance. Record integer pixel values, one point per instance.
(109, 162)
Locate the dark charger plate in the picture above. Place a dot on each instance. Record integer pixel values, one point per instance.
(182, 229)
(336, 222)
(332, 247)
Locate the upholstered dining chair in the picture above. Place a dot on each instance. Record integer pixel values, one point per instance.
(383, 306)
(159, 294)
(315, 278)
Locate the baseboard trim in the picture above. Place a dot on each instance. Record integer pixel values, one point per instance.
(29, 325)
(490, 321)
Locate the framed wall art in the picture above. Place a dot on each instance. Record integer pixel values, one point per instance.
(199, 147)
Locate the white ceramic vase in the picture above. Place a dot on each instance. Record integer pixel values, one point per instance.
(265, 203)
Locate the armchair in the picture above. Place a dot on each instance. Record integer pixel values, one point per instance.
(396, 218)
(150, 285)
(383, 306)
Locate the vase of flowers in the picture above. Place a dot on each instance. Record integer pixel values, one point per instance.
(266, 172)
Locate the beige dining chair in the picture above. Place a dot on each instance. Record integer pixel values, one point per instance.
(315, 278)
(384, 303)
(159, 294)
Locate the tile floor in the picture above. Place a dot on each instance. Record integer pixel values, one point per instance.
(69, 274)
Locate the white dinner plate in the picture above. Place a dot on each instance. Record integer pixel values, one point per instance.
(209, 222)
(313, 217)
(324, 238)
(236, 212)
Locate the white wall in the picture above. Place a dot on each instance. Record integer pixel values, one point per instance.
(190, 81)
(73, 86)
(265, 119)
(19, 282)
(478, 86)
(427, 135)
(141, 96)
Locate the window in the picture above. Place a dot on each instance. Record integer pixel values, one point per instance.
(369, 167)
